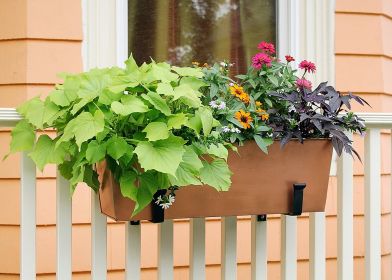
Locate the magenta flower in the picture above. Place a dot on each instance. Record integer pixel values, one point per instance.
(303, 83)
(308, 66)
(261, 59)
(289, 58)
(267, 47)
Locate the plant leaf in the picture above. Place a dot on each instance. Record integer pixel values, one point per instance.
(163, 155)
(206, 118)
(116, 147)
(157, 101)
(188, 71)
(263, 143)
(218, 150)
(87, 126)
(23, 137)
(127, 185)
(177, 120)
(147, 188)
(216, 174)
(156, 131)
(95, 151)
(130, 104)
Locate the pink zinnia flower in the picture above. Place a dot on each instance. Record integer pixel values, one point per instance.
(307, 66)
(303, 83)
(289, 58)
(261, 59)
(267, 47)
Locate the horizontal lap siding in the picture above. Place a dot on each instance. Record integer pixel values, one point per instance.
(363, 49)
(38, 39)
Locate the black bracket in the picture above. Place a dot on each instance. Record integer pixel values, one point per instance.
(158, 213)
(262, 218)
(134, 223)
(298, 197)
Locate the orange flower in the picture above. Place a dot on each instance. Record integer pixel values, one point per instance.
(262, 114)
(239, 92)
(244, 118)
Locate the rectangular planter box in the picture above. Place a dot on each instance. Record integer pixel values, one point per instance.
(261, 184)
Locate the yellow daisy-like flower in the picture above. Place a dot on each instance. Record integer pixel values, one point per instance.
(195, 63)
(258, 104)
(244, 118)
(262, 114)
(239, 92)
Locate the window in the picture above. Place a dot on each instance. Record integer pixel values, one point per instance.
(182, 31)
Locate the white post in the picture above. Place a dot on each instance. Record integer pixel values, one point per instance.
(165, 250)
(259, 248)
(27, 218)
(64, 229)
(132, 251)
(197, 269)
(98, 240)
(317, 246)
(229, 248)
(372, 204)
(288, 247)
(345, 216)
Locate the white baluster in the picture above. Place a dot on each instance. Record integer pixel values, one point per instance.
(288, 247)
(229, 248)
(27, 218)
(64, 229)
(345, 216)
(98, 239)
(165, 250)
(259, 248)
(372, 204)
(197, 269)
(132, 247)
(317, 246)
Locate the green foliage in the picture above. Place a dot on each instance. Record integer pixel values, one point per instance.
(146, 122)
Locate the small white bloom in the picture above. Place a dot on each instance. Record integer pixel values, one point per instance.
(159, 200)
(165, 205)
(231, 64)
(231, 84)
(226, 129)
(171, 198)
(213, 104)
(222, 105)
(126, 92)
(223, 64)
(235, 130)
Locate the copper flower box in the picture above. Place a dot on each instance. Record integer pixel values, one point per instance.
(261, 184)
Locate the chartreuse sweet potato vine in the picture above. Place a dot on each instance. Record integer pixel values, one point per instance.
(147, 122)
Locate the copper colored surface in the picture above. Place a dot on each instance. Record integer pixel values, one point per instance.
(261, 184)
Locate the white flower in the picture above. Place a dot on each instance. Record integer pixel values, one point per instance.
(231, 84)
(226, 129)
(213, 104)
(235, 130)
(159, 200)
(166, 205)
(223, 64)
(171, 198)
(222, 105)
(126, 92)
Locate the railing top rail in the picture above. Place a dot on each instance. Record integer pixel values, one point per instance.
(9, 117)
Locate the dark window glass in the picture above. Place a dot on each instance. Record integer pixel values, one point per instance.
(182, 31)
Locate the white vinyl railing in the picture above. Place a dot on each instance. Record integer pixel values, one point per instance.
(259, 247)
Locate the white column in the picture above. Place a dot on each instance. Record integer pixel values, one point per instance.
(27, 218)
(197, 259)
(345, 216)
(98, 239)
(317, 246)
(259, 249)
(165, 250)
(64, 229)
(132, 251)
(372, 204)
(229, 248)
(288, 247)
